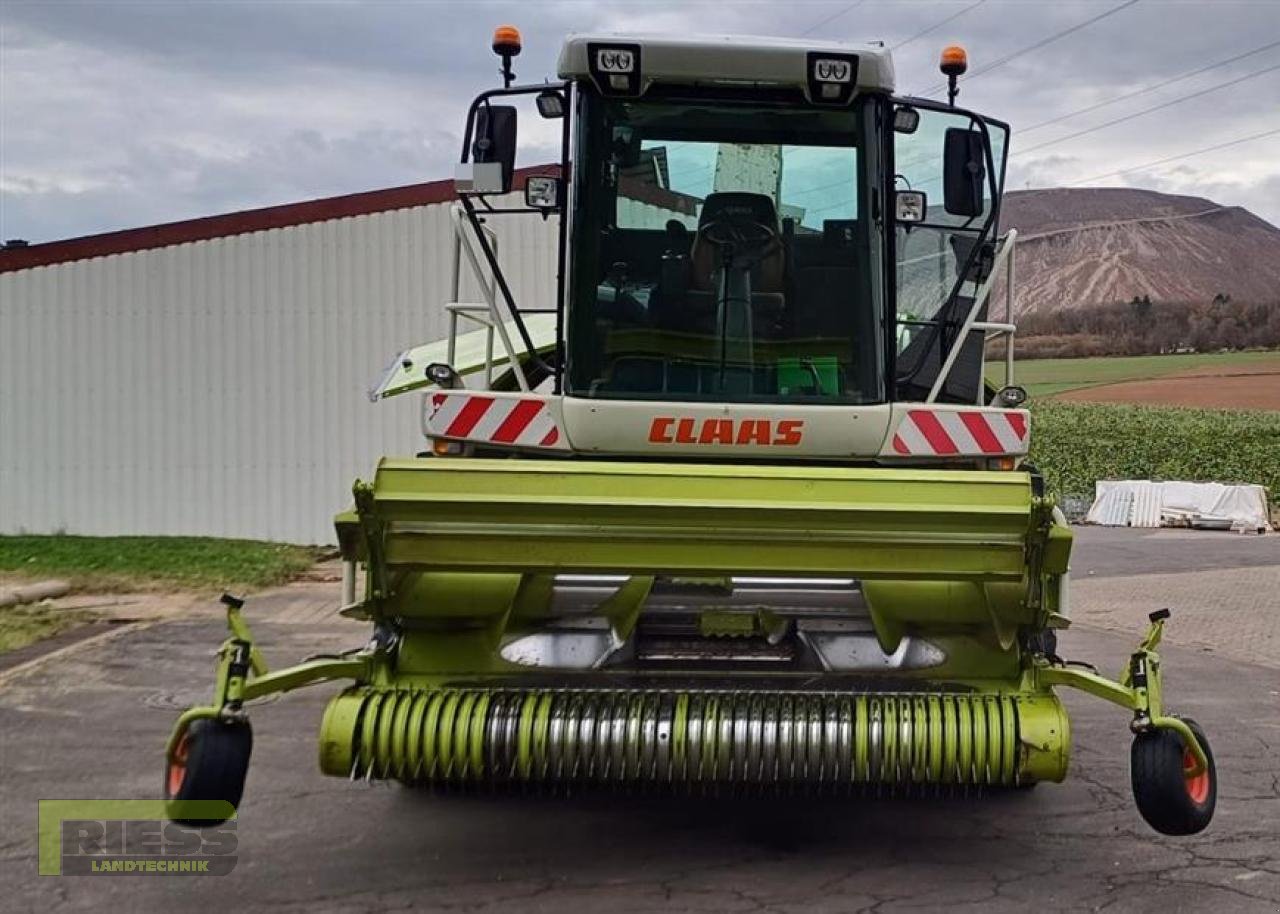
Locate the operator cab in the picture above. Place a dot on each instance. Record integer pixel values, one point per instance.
(750, 222)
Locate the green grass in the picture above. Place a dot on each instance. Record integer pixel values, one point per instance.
(1043, 377)
(122, 563)
(1040, 391)
(1076, 444)
(23, 625)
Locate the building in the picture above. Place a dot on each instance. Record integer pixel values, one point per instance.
(210, 377)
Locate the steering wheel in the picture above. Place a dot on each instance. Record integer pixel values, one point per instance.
(741, 233)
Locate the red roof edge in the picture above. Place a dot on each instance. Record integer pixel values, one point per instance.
(241, 223)
(646, 192)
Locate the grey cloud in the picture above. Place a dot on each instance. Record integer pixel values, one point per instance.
(119, 114)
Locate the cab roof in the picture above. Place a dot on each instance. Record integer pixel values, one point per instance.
(729, 60)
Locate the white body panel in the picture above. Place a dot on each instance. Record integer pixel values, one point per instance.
(888, 431)
(643, 427)
(730, 59)
(944, 430)
(521, 421)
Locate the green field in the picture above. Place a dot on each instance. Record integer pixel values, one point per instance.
(1043, 377)
(1075, 444)
(123, 563)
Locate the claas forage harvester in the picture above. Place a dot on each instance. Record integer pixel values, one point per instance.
(738, 508)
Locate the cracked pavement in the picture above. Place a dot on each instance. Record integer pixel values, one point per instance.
(91, 722)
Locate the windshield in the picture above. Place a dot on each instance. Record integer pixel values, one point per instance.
(721, 252)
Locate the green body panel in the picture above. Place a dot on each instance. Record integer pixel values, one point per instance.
(441, 658)
(632, 518)
(462, 552)
(443, 596)
(898, 607)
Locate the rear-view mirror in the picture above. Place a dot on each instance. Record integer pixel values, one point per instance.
(964, 172)
(495, 139)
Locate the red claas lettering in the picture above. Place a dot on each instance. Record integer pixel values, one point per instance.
(686, 430)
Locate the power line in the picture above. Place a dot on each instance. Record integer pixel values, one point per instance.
(938, 25)
(1175, 158)
(1151, 88)
(1162, 105)
(832, 18)
(1039, 44)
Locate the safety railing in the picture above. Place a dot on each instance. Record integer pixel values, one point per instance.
(991, 330)
(487, 313)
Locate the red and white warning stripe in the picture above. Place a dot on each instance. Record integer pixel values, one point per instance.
(961, 432)
(518, 421)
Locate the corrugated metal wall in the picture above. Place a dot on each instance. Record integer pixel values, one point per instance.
(219, 388)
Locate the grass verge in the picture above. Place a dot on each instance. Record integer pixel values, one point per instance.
(23, 625)
(129, 563)
(1076, 444)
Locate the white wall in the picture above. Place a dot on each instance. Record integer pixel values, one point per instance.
(219, 387)
(640, 215)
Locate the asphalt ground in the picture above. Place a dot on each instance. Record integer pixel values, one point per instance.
(91, 722)
(1121, 551)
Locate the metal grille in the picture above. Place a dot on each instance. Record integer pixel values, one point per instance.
(564, 737)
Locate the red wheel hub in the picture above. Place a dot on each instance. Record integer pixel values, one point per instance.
(1197, 785)
(177, 770)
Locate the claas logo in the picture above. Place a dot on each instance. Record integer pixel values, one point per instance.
(674, 430)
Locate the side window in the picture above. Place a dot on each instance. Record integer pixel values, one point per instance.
(931, 253)
(934, 255)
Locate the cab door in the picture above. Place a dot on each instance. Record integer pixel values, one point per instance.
(956, 159)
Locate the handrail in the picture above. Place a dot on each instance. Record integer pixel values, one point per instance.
(488, 287)
(1003, 257)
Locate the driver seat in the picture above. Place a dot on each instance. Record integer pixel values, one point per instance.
(769, 275)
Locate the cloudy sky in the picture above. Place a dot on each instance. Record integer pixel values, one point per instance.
(115, 115)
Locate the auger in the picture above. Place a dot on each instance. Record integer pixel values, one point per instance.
(739, 510)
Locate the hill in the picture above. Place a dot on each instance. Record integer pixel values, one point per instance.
(1083, 247)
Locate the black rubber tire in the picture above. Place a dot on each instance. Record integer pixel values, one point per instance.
(1170, 803)
(216, 756)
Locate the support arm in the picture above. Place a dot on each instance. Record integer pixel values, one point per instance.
(1138, 689)
(242, 675)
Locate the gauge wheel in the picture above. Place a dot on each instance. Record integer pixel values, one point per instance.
(209, 763)
(1169, 797)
